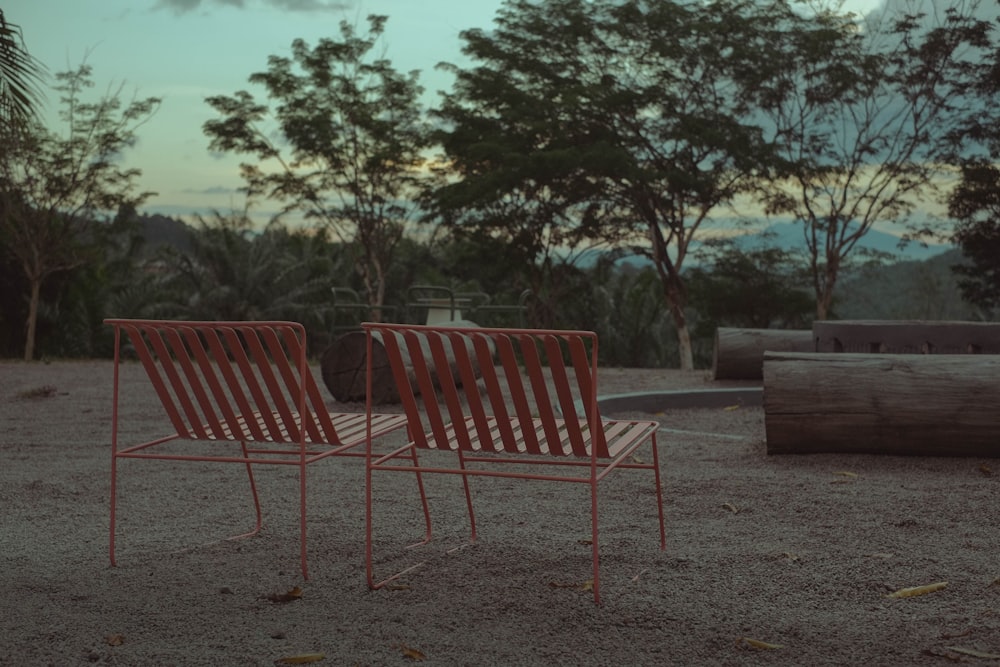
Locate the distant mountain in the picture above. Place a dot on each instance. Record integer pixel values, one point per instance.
(788, 236)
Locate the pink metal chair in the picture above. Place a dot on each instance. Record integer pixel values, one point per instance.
(236, 392)
(499, 399)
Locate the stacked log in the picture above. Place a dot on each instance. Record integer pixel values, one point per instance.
(739, 353)
(343, 366)
(907, 336)
(902, 404)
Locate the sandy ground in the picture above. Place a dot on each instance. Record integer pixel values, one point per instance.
(770, 560)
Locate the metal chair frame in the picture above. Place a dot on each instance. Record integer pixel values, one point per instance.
(243, 386)
(536, 405)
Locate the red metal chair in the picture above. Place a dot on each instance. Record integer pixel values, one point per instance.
(236, 392)
(529, 397)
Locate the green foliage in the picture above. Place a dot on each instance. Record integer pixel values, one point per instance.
(355, 136)
(975, 202)
(926, 290)
(20, 80)
(756, 288)
(861, 117)
(60, 193)
(616, 122)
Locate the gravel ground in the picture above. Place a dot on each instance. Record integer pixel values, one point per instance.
(782, 561)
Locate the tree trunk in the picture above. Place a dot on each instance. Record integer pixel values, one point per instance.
(684, 348)
(32, 324)
(900, 404)
(739, 353)
(343, 366)
(907, 337)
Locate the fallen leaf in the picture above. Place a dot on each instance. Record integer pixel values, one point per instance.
(986, 470)
(283, 598)
(398, 587)
(756, 643)
(731, 507)
(114, 640)
(917, 590)
(637, 459)
(846, 473)
(974, 653)
(585, 542)
(635, 578)
(790, 556)
(301, 659)
(730, 408)
(412, 653)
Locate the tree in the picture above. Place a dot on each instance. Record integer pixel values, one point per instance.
(599, 121)
(355, 135)
(20, 76)
(233, 272)
(756, 287)
(60, 195)
(975, 203)
(860, 110)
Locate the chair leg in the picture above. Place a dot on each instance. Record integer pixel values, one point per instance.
(256, 499)
(114, 508)
(302, 521)
(423, 498)
(659, 495)
(373, 584)
(595, 550)
(468, 497)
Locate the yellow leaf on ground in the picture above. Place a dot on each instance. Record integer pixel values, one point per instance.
(114, 640)
(301, 659)
(918, 590)
(846, 473)
(587, 585)
(974, 653)
(290, 596)
(731, 507)
(730, 408)
(756, 643)
(412, 653)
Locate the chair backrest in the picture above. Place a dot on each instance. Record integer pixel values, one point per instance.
(521, 391)
(245, 381)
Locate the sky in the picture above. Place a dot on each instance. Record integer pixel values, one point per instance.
(186, 50)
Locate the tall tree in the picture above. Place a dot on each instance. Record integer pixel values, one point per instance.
(860, 109)
(614, 121)
(355, 136)
(60, 193)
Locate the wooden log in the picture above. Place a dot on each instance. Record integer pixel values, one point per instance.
(739, 353)
(901, 404)
(907, 336)
(343, 367)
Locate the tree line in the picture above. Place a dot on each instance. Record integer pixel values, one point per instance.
(619, 126)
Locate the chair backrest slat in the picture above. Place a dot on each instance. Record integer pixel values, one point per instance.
(233, 380)
(518, 391)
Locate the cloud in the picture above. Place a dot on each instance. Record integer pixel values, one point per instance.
(184, 6)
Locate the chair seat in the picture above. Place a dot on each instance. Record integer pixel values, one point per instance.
(622, 437)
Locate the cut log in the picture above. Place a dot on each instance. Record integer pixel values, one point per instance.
(901, 404)
(739, 353)
(907, 336)
(343, 367)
